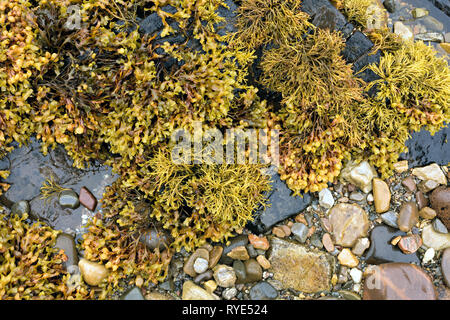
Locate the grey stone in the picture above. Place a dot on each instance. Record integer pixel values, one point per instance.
(229, 293)
(204, 276)
(357, 196)
(263, 291)
(300, 231)
(313, 6)
(390, 218)
(357, 45)
(430, 36)
(133, 294)
(329, 18)
(432, 24)
(390, 5)
(438, 226)
(367, 75)
(68, 199)
(66, 242)
(239, 270)
(20, 208)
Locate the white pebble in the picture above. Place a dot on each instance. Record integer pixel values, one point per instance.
(369, 197)
(326, 199)
(200, 265)
(428, 256)
(357, 287)
(356, 275)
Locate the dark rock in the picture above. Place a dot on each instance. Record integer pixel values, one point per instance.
(68, 199)
(357, 45)
(367, 75)
(251, 251)
(20, 208)
(204, 276)
(241, 240)
(438, 226)
(263, 291)
(239, 270)
(228, 26)
(151, 24)
(445, 266)
(66, 242)
(347, 30)
(87, 199)
(329, 18)
(444, 5)
(253, 271)
(133, 294)
(282, 206)
(381, 250)
(390, 5)
(390, 218)
(398, 281)
(440, 202)
(154, 238)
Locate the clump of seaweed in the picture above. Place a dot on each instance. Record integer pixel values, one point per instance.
(356, 11)
(50, 189)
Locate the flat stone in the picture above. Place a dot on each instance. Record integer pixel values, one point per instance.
(188, 267)
(328, 242)
(241, 240)
(401, 166)
(326, 199)
(356, 46)
(282, 206)
(409, 184)
(381, 195)
(253, 271)
(191, 291)
(408, 216)
(66, 243)
(348, 223)
(87, 199)
(360, 175)
(430, 172)
(68, 199)
(432, 24)
(430, 36)
(440, 202)
(263, 262)
(224, 276)
(438, 226)
(133, 294)
(258, 242)
(398, 281)
(356, 196)
(419, 12)
(445, 266)
(381, 250)
(435, 240)
(410, 244)
(239, 270)
(300, 232)
(300, 268)
(347, 258)
(263, 291)
(390, 218)
(361, 246)
(93, 273)
(239, 253)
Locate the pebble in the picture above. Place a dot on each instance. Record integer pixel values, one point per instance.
(20, 208)
(214, 256)
(430, 172)
(224, 276)
(381, 250)
(253, 271)
(328, 242)
(93, 273)
(66, 242)
(277, 231)
(259, 242)
(203, 276)
(445, 266)
(299, 268)
(369, 198)
(390, 218)
(361, 246)
(421, 200)
(263, 291)
(401, 166)
(154, 238)
(398, 281)
(428, 185)
(347, 258)
(239, 270)
(300, 232)
(381, 195)
(191, 291)
(440, 202)
(410, 244)
(229, 293)
(409, 184)
(241, 240)
(428, 255)
(348, 223)
(419, 12)
(263, 262)
(188, 267)
(326, 199)
(390, 6)
(286, 229)
(251, 251)
(430, 36)
(359, 174)
(427, 213)
(200, 265)
(68, 199)
(408, 216)
(239, 253)
(87, 199)
(356, 275)
(438, 226)
(435, 240)
(356, 196)
(403, 31)
(210, 286)
(133, 294)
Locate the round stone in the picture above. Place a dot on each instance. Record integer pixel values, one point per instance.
(263, 291)
(408, 216)
(93, 273)
(200, 265)
(68, 199)
(229, 293)
(253, 271)
(348, 223)
(224, 276)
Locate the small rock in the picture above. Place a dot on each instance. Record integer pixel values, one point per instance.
(87, 199)
(427, 213)
(68, 199)
(263, 291)
(20, 208)
(356, 196)
(66, 243)
(189, 264)
(229, 293)
(203, 276)
(326, 199)
(430, 172)
(210, 286)
(239, 253)
(381, 195)
(347, 258)
(390, 218)
(154, 295)
(369, 198)
(408, 216)
(328, 242)
(356, 275)
(93, 273)
(253, 271)
(300, 232)
(433, 24)
(428, 185)
(390, 6)
(154, 238)
(239, 270)
(410, 244)
(398, 281)
(214, 256)
(403, 31)
(430, 36)
(359, 174)
(440, 202)
(428, 255)
(224, 276)
(286, 229)
(421, 200)
(252, 251)
(200, 265)
(361, 246)
(401, 166)
(438, 226)
(419, 12)
(435, 240)
(445, 266)
(133, 294)
(259, 242)
(263, 262)
(241, 240)
(277, 231)
(191, 291)
(409, 184)
(348, 223)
